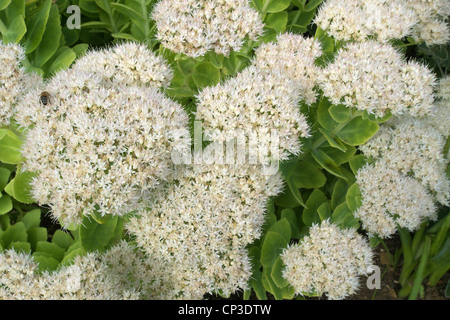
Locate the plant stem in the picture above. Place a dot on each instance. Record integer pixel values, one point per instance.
(419, 275)
(405, 238)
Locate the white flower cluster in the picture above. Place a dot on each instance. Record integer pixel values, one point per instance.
(413, 146)
(292, 57)
(374, 77)
(357, 20)
(14, 82)
(87, 278)
(432, 27)
(194, 27)
(199, 227)
(128, 64)
(264, 97)
(383, 20)
(391, 199)
(99, 147)
(328, 261)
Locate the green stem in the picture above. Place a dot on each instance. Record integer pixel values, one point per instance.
(441, 236)
(417, 238)
(422, 265)
(405, 238)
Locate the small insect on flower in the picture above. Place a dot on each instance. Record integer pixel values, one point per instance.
(45, 98)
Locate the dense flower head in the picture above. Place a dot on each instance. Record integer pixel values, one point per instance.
(129, 64)
(87, 278)
(440, 115)
(328, 261)
(199, 226)
(414, 146)
(293, 57)
(254, 102)
(391, 199)
(14, 82)
(358, 20)
(97, 149)
(373, 77)
(432, 27)
(194, 27)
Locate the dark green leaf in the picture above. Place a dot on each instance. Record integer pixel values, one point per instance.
(95, 236)
(35, 235)
(32, 219)
(277, 21)
(305, 175)
(271, 248)
(16, 30)
(37, 27)
(310, 214)
(358, 131)
(5, 204)
(353, 197)
(206, 74)
(62, 239)
(48, 45)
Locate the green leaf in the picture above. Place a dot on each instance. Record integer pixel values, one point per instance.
(32, 219)
(127, 11)
(45, 263)
(10, 147)
(353, 197)
(324, 117)
(315, 200)
(340, 113)
(283, 228)
(334, 142)
(52, 249)
(324, 211)
(37, 27)
(48, 45)
(312, 4)
(21, 246)
(4, 177)
(254, 253)
(95, 236)
(277, 273)
(187, 66)
(339, 193)
(357, 162)
(257, 285)
(62, 239)
(305, 175)
(14, 233)
(271, 248)
(16, 30)
(277, 21)
(35, 235)
(358, 131)
(4, 4)
(291, 217)
(206, 74)
(295, 192)
(14, 9)
(5, 204)
(270, 6)
(272, 287)
(343, 217)
(80, 49)
(63, 61)
(122, 35)
(328, 163)
(22, 187)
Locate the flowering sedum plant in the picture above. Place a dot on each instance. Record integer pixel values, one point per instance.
(241, 149)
